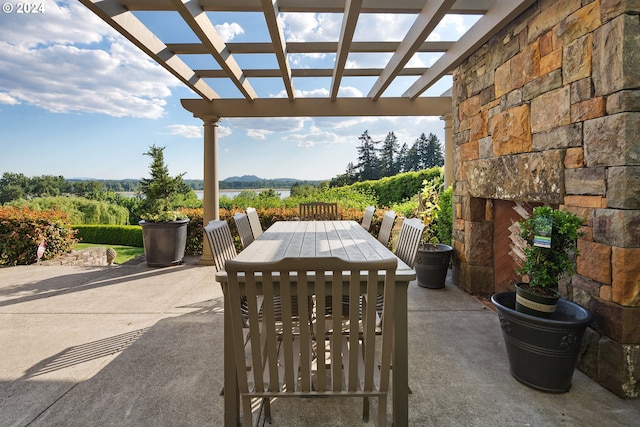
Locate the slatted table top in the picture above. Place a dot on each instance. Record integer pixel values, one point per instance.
(303, 239)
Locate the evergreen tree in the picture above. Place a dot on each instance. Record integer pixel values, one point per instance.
(162, 191)
(432, 152)
(389, 164)
(368, 162)
(403, 157)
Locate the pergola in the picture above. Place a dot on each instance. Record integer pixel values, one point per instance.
(126, 17)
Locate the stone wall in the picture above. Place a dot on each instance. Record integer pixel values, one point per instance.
(548, 111)
(96, 256)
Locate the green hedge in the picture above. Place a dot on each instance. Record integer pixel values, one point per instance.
(22, 230)
(398, 188)
(124, 235)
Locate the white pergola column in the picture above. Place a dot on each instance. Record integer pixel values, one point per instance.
(448, 149)
(211, 193)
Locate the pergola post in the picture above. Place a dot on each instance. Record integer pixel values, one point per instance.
(211, 193)
(448, 149)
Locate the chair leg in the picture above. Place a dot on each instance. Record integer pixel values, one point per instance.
(382, 411)
(365, 409)
(246, 412)
(267, 409)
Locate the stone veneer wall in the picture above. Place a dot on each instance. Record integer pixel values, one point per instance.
(96, 256)
(548, 111)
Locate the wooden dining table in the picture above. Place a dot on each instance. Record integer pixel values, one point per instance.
(343, 239)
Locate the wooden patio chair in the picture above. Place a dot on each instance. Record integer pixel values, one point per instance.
(368, 216)
(385, 228)
(244, 229)
(318, 211)
(409, 240)
(299, 358)
(221, 242)
(254, 220)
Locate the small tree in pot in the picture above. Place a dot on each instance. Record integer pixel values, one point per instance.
(543, 338)
(164, 228)
(551, 237)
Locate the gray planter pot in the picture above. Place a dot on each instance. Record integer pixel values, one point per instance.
(164, 242)
(431, 266)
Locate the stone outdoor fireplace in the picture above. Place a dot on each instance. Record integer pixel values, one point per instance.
(548, 112)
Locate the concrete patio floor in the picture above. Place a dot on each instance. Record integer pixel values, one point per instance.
(135, 346)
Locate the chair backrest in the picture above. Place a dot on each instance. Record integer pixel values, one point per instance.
(221, 242)
(254, 220)
(385, 228)
(350, 358)
(368, 216)
(318, 211)
(409, 240)
(244, 229)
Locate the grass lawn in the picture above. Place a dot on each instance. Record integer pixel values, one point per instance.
(123, 253)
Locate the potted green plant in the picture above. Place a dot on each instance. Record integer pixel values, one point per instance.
(164, 228)
(434, 255)
(550, 237)
(542, 331)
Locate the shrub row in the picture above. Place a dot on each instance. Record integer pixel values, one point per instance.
(124, 235)
(22, 230)
(397, 188)
(80, 210)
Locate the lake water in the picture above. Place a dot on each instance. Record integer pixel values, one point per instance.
(233, 193)
(229, 193)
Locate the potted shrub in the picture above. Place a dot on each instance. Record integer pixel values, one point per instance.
(543, 332)
(164, 228)
(434, 255)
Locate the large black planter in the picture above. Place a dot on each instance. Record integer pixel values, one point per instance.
(164, 242)
(542, 351)
(431, 266)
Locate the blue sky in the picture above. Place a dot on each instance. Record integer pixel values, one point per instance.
(79, 100)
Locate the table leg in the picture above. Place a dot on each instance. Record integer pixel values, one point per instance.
(400, 359)
(231, 396)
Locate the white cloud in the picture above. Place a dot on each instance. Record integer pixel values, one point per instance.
(301, 27)
(68, 60)
(229, 30)
(186, 131)
(258, 133)
(350, 91)
(5, 98)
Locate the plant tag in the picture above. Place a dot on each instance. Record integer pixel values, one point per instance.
(542, 232)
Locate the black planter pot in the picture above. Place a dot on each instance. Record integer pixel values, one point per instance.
(164, 242)
(431, 266)
(542, 351)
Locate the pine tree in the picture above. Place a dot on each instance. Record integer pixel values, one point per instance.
(389, 164)
(368, 162)
(161, 189)
(433, 152)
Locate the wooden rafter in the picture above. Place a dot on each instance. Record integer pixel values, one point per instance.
(429, 17)
(124, 22)
(197, 19)
(502, 12)
(270, 9)
(349, 22)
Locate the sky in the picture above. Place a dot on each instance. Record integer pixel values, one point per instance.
(81, 101)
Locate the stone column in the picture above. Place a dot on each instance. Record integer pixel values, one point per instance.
(211, 193)
(448, 149)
